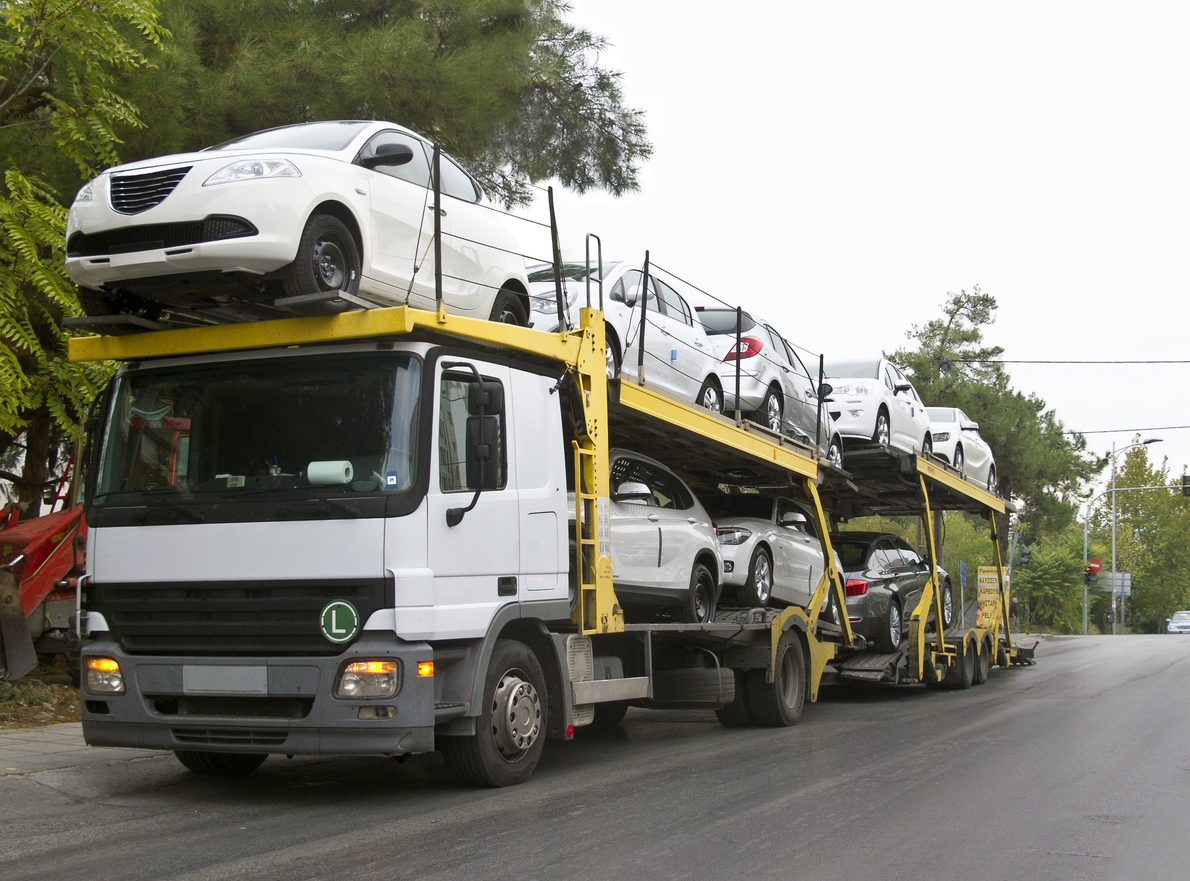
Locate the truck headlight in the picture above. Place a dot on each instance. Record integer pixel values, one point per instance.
(104, 676)
(253, 169)
(368, 680)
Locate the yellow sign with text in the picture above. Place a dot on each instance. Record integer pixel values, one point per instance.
(989, 611)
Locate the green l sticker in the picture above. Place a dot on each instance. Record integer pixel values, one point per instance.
(340, 621)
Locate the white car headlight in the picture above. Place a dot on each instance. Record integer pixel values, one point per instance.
(856, 388)
(733, 535)
(942, 436)
(253, 169)
(549, 303)
(87, 193)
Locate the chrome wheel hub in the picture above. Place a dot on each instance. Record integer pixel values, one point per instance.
(516, 715)
(764, 578)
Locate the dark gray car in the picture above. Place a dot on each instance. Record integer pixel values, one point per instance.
(884, 580)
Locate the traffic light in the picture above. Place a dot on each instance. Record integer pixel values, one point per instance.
(1186, 484)
(1022, 555)
(1089, 576)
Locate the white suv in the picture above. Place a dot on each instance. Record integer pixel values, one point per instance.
(664, 550)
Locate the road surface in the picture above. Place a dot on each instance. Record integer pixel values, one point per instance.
(1076, 768)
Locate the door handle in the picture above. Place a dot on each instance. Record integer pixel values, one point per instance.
(441, 211)
(691, 520)
(654, 518)
(666, 332)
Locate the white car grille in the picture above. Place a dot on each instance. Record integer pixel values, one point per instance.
(134, 193)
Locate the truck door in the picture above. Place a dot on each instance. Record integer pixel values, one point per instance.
(476, 562)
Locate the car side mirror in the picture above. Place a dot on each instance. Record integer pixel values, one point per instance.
(389, 156)
(632, 492)
(970, 426)
(902, 387)
(793, 519)
(824, 391)
(630, 299)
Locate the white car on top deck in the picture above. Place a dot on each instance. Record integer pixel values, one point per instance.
(305, 211)
(872, 400)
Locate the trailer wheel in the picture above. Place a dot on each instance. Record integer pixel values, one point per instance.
(220, 764)
(758, 589)
(778, 704)
(510, 735)
(981, 664)
(962, 674)
(738, 713)
(890, 634)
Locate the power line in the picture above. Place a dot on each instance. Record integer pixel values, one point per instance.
(1129, 430)
(1000, 361)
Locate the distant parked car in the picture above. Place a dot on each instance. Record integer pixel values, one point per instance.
(873, 400)
(679, 359)
(956, 439)
(285, 221)
(1179, 623)
(771, 550)
(884, 581)
(664, 551)
(776, 388)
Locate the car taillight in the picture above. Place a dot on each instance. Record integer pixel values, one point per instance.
(749, 347)
(855, 587)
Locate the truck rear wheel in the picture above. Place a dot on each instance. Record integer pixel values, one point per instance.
(609, 715)
(962, 674)
(220, 764)
(738, 713)
(778, 704)
(510, 733)
(981, 665)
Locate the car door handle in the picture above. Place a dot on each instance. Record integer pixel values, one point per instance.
(441, 211)
(654, 518)
(691, 520)
(666, 332)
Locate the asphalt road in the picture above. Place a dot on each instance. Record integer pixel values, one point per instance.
(1076, 768)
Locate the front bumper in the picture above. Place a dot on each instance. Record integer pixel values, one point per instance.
(277, 209)
(294, 714)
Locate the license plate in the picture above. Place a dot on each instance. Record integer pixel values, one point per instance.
(224, 680)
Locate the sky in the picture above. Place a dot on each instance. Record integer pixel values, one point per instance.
(839, 167)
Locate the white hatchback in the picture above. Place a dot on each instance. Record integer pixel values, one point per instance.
(304, 219)
(873, 400)
(679, 359)
(956, 439)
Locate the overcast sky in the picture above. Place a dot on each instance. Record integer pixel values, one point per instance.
(838, 167)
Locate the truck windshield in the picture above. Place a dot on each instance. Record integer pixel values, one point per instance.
(309, 426)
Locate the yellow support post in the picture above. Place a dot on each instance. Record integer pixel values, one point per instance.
(998, 561)
(931, 595)
(831, 578)
(597, 610)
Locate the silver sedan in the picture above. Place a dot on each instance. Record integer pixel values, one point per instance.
(769, 546)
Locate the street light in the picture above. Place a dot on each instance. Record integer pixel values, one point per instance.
(1145, 442)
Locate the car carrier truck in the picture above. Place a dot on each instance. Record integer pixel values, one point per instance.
(387, 532)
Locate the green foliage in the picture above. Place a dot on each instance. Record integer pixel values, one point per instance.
(1037, 461)
(1052, 584)
(506, 85)
(59, 112)
(1152, 539)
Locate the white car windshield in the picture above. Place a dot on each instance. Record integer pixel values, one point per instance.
(1181, 617)
(310, 136)
(942, 414)
(857, 369)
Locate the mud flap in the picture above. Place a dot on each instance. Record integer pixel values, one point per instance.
(17, 656)
(1024, 656)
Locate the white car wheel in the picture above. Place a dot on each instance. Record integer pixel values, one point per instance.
(770, 411)
(710, 397)
(958, 459)
(327, 260)
(882, 435)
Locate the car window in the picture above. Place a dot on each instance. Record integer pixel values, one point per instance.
(796, 360)
(456, 182)
(675, 306)
(851, 553)
(889, 379)
(910, 556)
(882, 559)
(786, 506)
(739, 505)
(778, 348)
(891, 554)
(458, 429)
(667, 490)
(416, 170)
(717, 321)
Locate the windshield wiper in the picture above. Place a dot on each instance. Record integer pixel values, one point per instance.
(311, 495)
(155, 498)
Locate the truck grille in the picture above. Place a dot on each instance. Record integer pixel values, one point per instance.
(134, 193)
(230, 736)
(154, 236)
(259, 618)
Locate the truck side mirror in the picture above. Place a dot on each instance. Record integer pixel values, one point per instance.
(485, 396)
(483, 440)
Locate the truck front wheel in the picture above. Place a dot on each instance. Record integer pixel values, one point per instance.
(510, 733)
(220, 764)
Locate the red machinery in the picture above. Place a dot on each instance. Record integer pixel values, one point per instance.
(40, 561)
